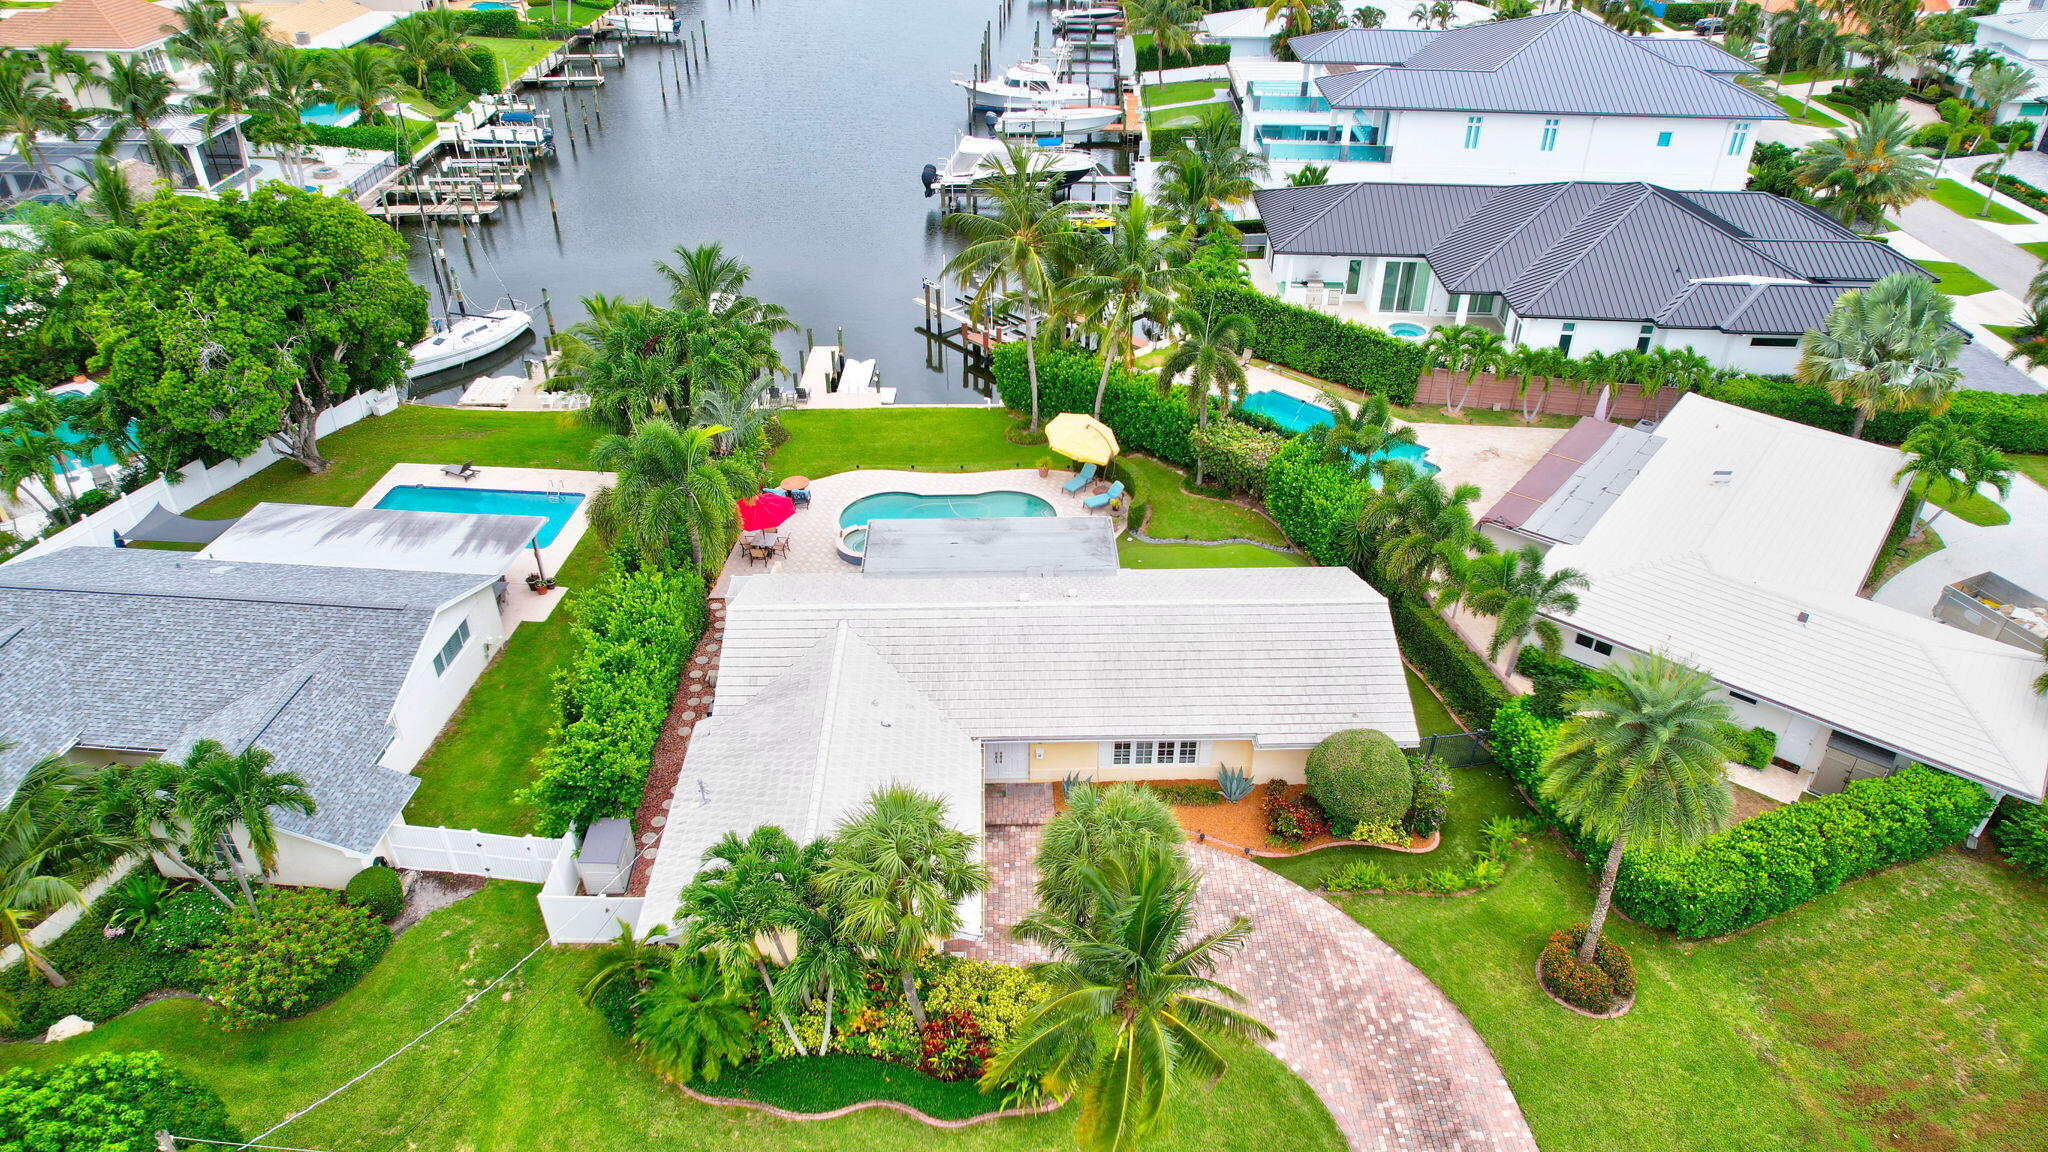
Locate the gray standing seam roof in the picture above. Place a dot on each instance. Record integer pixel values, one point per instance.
(1559, 62)
(153, 651)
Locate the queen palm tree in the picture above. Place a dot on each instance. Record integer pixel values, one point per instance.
(362, 75)
(222, 793)
(692, 1025)
(1209, 353)
(1642, 762)
(1885, 347)
(1415, 530)
(1513, 588)
(670, 480)
(1170, 23)
(1129, 276)
(1135, 1008)
(1019, 246)
(1869, 167)
(1947, 462)
(429, 41)
(138, 98)
(29, 107)
(896, 874)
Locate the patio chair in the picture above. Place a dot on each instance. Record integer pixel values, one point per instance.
(779, 545)
(1080, 479)
(801, 497)
(1115, 490)
(463, 471)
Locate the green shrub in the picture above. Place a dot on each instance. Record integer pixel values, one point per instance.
(2014, 187)
(2022, 835)
(1190, 795)
(1597, 987)
(106, 976)
(1427, 641)
(1754, 747)
(1323, 346)
(1684, 15)
(1234, 455)
(633, 632)
(308, 948)
(110, 1103)
(376, 890)
(1199, 56)
(191, 919)
(503, 25)
(1361, 776)
(1867, 91)
(1553, 681)
(999, 997)
(138, 901)
(2006, 422)
(1432, 796)
(1143, 419)
(618, 1004)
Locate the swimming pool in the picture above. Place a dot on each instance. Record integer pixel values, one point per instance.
(1407, 331)
(911, 506)
(557, 507)
(1296, 415)
(329, 115)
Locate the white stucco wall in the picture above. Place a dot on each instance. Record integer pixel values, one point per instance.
(428, 699)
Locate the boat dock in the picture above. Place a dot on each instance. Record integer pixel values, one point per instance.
(830, 380)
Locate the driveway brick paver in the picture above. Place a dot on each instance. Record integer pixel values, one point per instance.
(1396, 1063)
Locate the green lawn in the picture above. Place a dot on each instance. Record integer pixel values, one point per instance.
(831, 1082)
(2034, 468)
(2006, 332)
(1965, 200)
(2038, 247)
(1431, 717)
(360, 454)
(1800, 114)
(1819, 80)
(930, 439)
(1906, 555)
(1973, 507)
(528, 1067)
(1181, 92)
(1956, 280)
(1138, 554)
(1182, 515)
(515, 56)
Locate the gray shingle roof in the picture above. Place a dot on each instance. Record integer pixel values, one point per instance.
(155, 650)
(1560, 62)
(1584, 250)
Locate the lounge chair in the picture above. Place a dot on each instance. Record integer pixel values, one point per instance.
(463, 471)
(1080, 479)
(1115, 490)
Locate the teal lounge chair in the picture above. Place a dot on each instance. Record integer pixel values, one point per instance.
(1115, 490)
(1080, 479)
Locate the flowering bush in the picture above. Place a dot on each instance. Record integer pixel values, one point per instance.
(1293, 820)
(953, 1047)
(191, 919)
(306, 950)
(1597, 987)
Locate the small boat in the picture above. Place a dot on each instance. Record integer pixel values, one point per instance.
(462, 338)
(979, 158)
(1032, 84)
(505, 122)
(645, 19)
(1087, 17)
(1056, 124)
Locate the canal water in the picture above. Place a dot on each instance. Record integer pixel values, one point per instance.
(799, 147)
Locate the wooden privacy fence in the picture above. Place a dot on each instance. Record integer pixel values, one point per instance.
(1625, 402)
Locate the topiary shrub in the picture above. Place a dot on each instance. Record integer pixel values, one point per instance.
(376, 890)
(2022, 835)
(111, 1103)
(1602, 986)
(308, 948)
(1432, 797)
(1360, 776)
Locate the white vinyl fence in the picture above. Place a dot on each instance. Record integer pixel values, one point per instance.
(573, 919)
(526, 858)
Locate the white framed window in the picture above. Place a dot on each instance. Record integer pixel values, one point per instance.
(1472, 126)
(1548, 141)
(1404, 286)
(1154, 753)
(1564, 339)
(1739, 141)
(1120, 753)
(451, 648)
(1600, 646)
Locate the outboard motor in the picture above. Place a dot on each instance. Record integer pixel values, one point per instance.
(931, 179)
(989, 118)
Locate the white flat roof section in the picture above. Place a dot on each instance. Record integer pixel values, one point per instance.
(991, 546)
(387, 538)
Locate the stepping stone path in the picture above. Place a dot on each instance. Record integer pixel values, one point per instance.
(692, 702)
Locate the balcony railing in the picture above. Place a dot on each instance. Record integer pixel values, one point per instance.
(1323, 153)
(1289, 103)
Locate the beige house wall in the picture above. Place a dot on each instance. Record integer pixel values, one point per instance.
(1052, 762)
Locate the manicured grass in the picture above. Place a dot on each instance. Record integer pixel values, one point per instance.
(1964, 200)
(1180, 514)
(823, 1083)
(528, 1067)
(1138, 554)
(1801, 114)
(1478, 795)
(2038, 247)
(360, 454)
(1901, 1012)
(2034, 468)
(931, 439)
(2006, 332)
(515, 56)
(1972, 507)
(1181, 92)
(1431, 717)
(1956, 280)
(1810, 77)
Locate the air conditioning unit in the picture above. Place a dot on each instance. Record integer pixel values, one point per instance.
(604, 865)
(302, 39)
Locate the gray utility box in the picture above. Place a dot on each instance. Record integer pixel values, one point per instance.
(1990, 605)
(604, 866)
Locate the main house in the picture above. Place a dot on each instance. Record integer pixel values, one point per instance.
(1553, 97)
(1584, 267)
(1737, 542)
(830, 686)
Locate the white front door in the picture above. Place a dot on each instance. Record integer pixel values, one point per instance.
(1005, 762)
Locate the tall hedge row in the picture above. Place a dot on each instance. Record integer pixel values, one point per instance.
(2007, 423)
(633, 633)
(1143, 418)
(1323, 346)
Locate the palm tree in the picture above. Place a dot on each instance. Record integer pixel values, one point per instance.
(669, 479)
(1100, 825)
(1513, 588)
(1414, 529)
(828, 964)
(221, 793)
(1365, 434)
(1642, 761)
(630, 960)
(58, 60)
(1869, 167)
(897, 874)
(623, 358)
(290, 81)
(705, 279)
(1209, 172)
(1170, 23)
(1210, 354)
(140, 803)
(110, 199)
(1628, 17)
(1135, 1008)
(1294, 16)
(1946, 460)
(430, 40)
(29, 108)
(1998, 82)
(1020, 245)
(1131, 275)
(1885, 347)
(1466, 348)
(692, 1024)
(362, 75)
(751, 889)
(138, 99)
(49, 847)
(230, 79)
(737, 406)
(1959, 128)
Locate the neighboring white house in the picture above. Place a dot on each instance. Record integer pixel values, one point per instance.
(1249, 31)
(2019, 33)
(102, 30)
(206, 159)
(1736, 542)
(1583, 267)
(321, 23)
(1552, 97)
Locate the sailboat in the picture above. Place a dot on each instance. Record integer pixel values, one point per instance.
(463, 337)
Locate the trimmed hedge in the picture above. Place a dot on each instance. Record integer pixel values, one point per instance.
(376, 890)
(2014, 187)
(1427, 642)
(2005, 422)
(1200, 56)
(633, 633)
(503, 24)
(1323, 346)
(1143, 420)
(1360, 776)
(1234, 454)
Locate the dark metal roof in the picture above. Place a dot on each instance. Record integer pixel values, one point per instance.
(1694, 52)
(1560, 62)
(1589, 250)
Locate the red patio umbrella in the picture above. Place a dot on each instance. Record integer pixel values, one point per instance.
(765, 511)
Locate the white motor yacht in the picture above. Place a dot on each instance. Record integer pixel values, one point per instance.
(978, 158)
(1056, 124)
(645, 19)
(1087, 17)
(1032, 84)
(463, 338)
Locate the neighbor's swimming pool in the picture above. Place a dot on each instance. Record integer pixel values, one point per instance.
(329, 115)
(556, 507)
(1297, 415)
(911, 506)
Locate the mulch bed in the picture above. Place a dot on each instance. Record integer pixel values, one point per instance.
(691, 704)
(1243, 823)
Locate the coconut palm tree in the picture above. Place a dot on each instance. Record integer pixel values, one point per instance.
(1129, 276)
(362, 75)
(1868, 168)
(1416, 531)
(1017, 247)
(1642, 761)
(221, 793)
(428, 41)
(290, 83)
(60, 259)
(29, 107)
(1170, 23)
(58, 60)
(896, 875)
(1210, 353)
(705, 279)
(1946, 461)
(230, 80)
(692, 1024)
(752, 889)
(110, 200)
(1100, 824)
(1208, 172)
(1513, 588)
(1885, 347)
(1135, 1009)
(671, 480)
(138, 98)
(50, 846)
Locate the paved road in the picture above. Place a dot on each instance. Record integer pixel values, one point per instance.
(2017, 551)
(1970, 244)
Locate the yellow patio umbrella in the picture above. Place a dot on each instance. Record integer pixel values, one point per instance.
(1080, 437)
